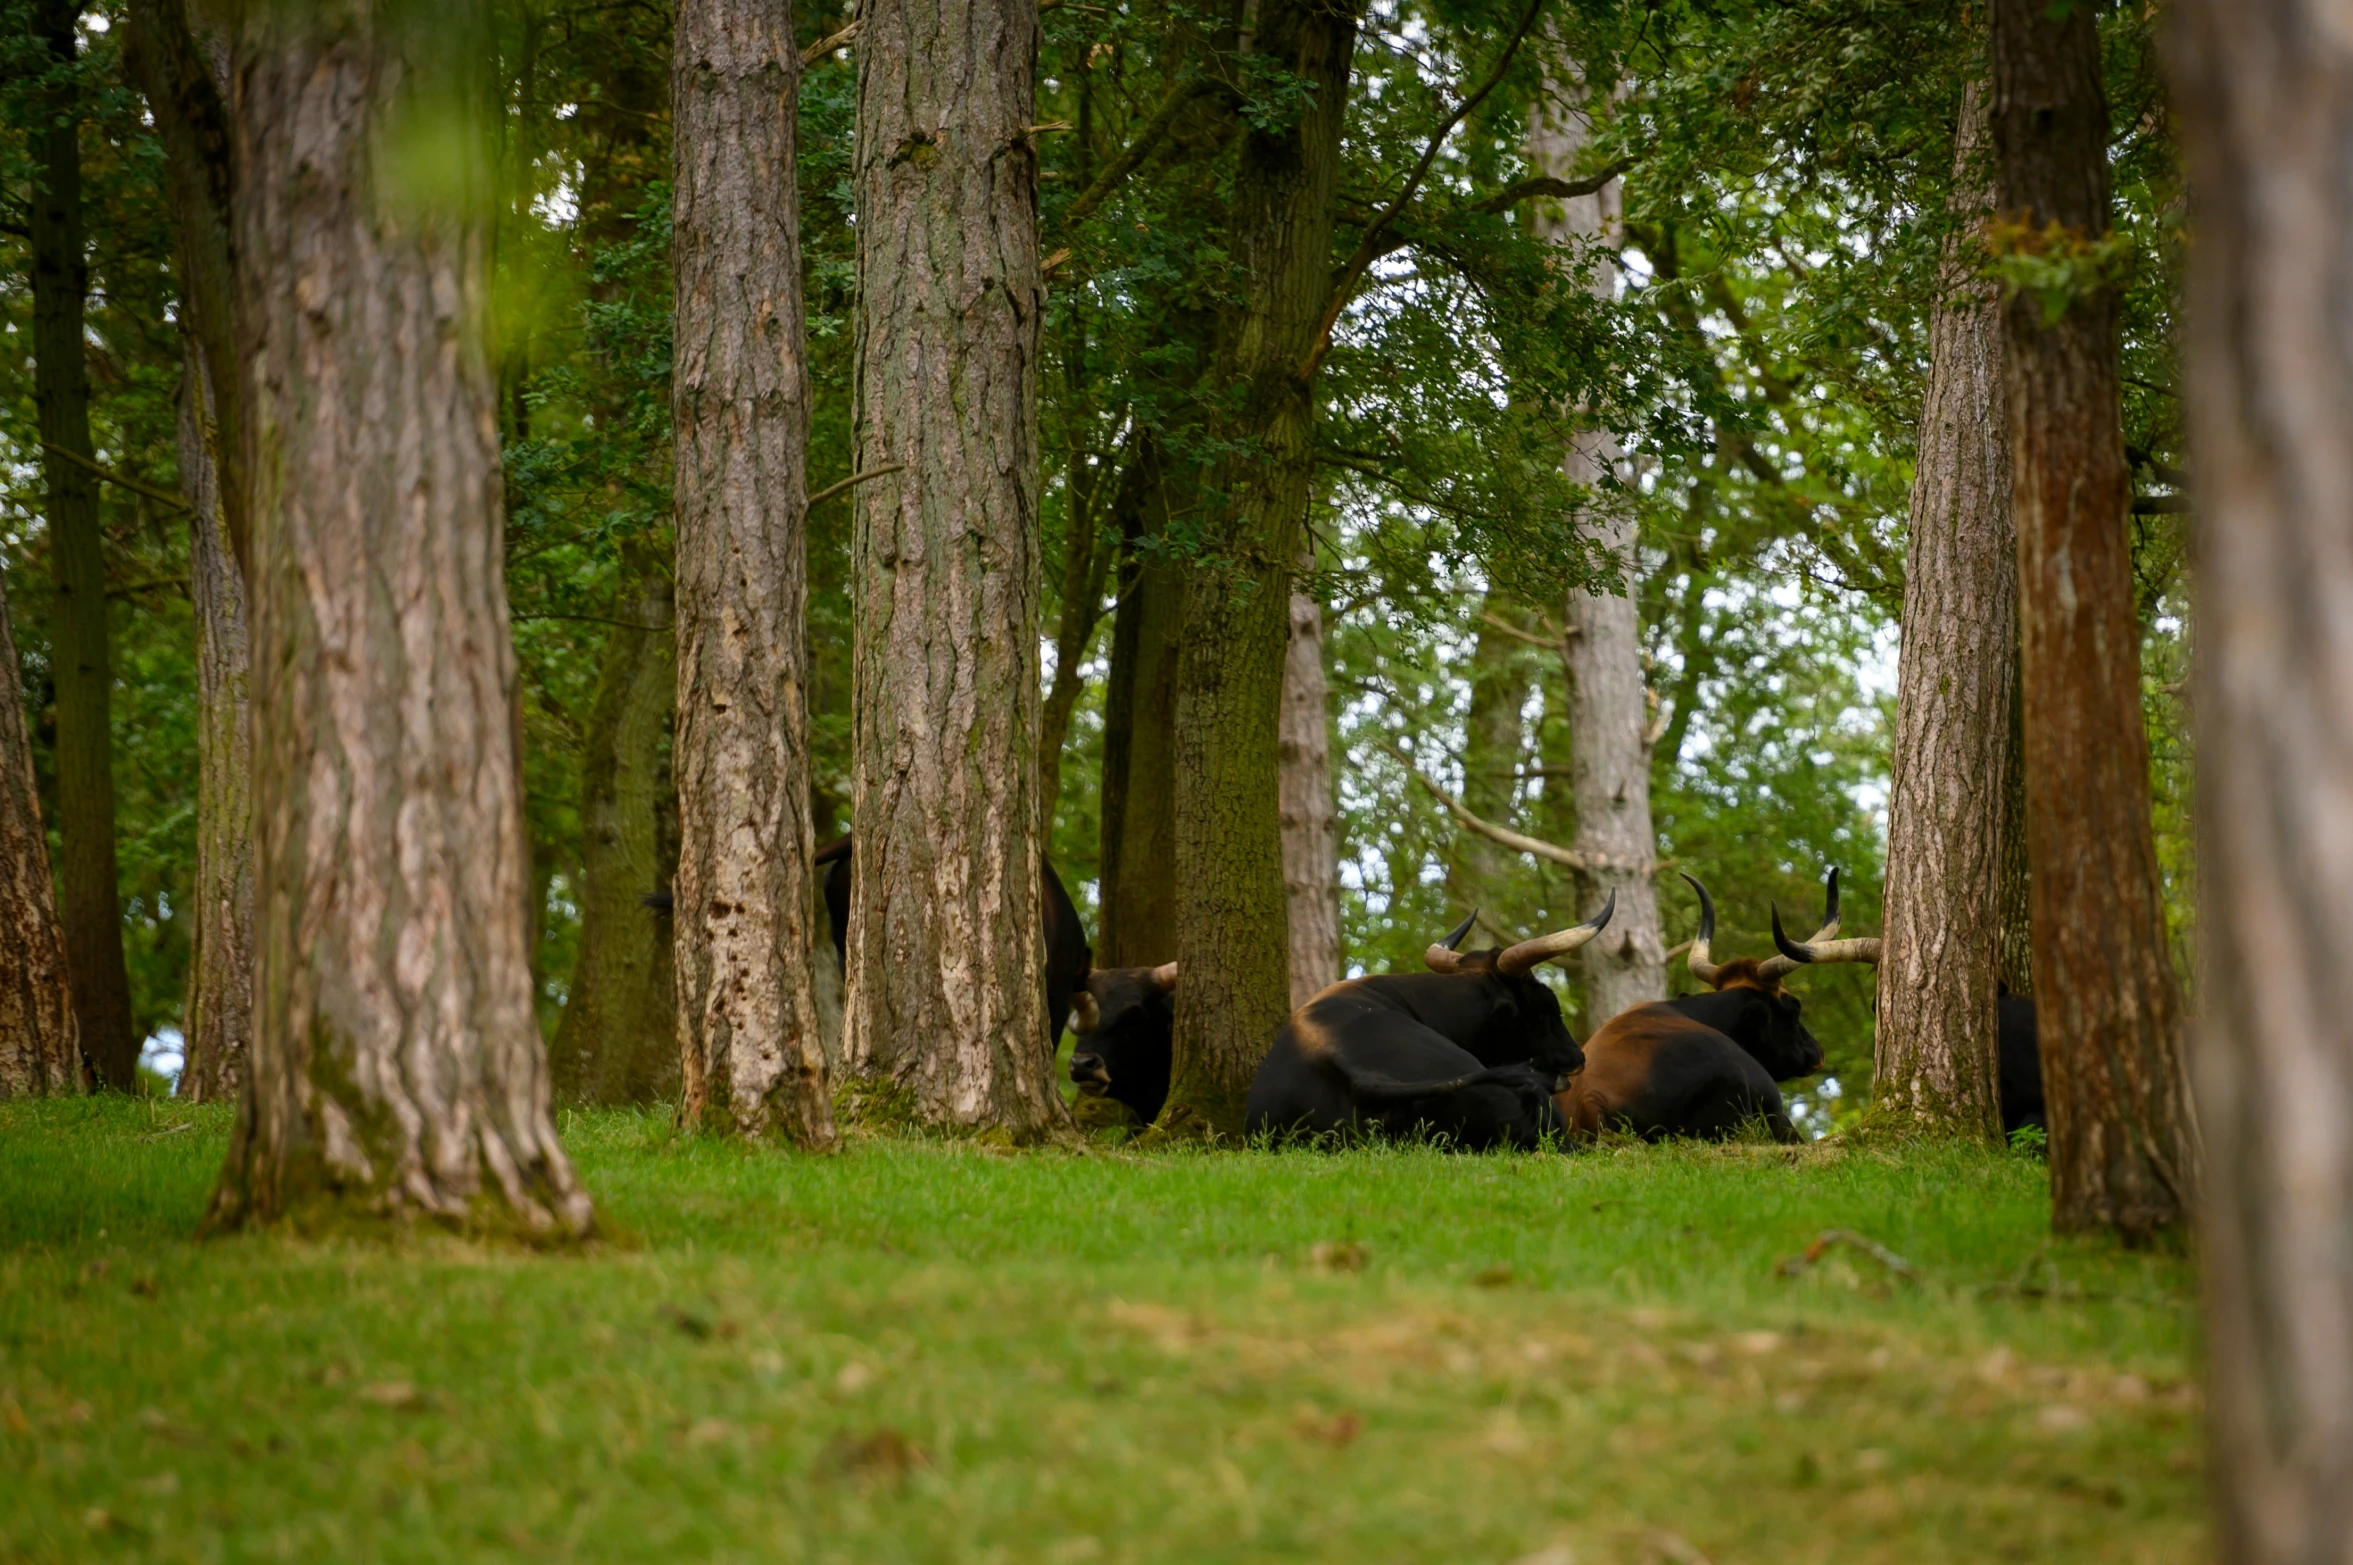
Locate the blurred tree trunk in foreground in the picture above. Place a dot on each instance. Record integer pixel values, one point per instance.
(1137, 923)
(40, 1052)
(752, 1052)
(2109, 1004)
(947, 957)
(1936, 1065)
(2265, 95)
(1310, 812)
(1610, 735)
(396, 1065)
(181, 78)
(81, 651)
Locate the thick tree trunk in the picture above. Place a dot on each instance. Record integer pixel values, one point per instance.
(80, 643)
(2109, 1004)
(1936, 1064)
(1135, 924)
(947, 960)
(217, 1025)
(618, 1039)
(1231, 914)
(1310, 813)
(1494, 747)
(752, 1053)
(40, 1053)
(2014, 900)
(396, 1065)
(2265, 95)
(1610, 735)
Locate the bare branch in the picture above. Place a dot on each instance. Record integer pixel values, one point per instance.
(1536, 847)
(1152, 138)
(117, 479)
(852, 482)
(829, 44)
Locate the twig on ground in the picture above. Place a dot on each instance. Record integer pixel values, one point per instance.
(1896, 1265)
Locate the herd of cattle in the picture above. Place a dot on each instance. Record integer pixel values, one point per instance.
(1474, 1050)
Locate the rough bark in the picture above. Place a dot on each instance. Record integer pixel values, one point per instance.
(2014, 901)
(618, 1039)
(2109, 1004)
(947, 959)
(1136, 896)
(1310, 812)
(396, 1066)
(1494, 746)
(2265, 95)
(217, 1023)
(751, 1048)
(80, 642)
(40, 1053)
(1231, 915)
(1936, 1057)
(1610, 734)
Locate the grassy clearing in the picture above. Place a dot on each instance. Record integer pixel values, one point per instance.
(917, 1352)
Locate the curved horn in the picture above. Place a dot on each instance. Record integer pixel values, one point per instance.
(1441, 957)
(1795, 954)
(1164, 976)
(1085, 1014)
(1829, 929)
(1518, 959)
(1701, 968)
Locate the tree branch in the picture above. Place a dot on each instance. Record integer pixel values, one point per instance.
(829, 44)
(1536, 847)
(117, 479)
(1368, 248)
(1131, 157)
(852, 482)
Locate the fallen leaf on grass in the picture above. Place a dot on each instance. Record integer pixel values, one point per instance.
(1330, 1256)
(1896, 1265)
(2061, 1418)
(879, 1453)
(1675, 1548)
(1558, 1554)
(392, 1394)
(853, 1378)
(1336, 1432)
(1493, 1277)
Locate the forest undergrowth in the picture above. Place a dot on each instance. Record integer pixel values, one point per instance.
(917, 1351)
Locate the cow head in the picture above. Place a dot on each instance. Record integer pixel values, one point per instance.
(1772, 1028)
(1125, 1022)
(1519, 1003)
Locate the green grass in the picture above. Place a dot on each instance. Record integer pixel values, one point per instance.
(925, 1352)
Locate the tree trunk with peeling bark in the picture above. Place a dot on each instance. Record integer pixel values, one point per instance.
(2265, 98)
(1231, 912)
(946, 953)
(81, 642)
(618, 1039)
(40, 1051)
(2109, 1005)
(1937, 1058)
(1610, 735)
(1136, 918)
(396, 1067)
(1310, 813)
(752, 1053)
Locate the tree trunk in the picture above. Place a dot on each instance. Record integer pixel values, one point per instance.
(81, 653)
(180, 79)
(2265, 96)
(1310, 813)
(40, 1054)
(751, 1050)
(1610, 734)
(1937, 1064)
(618, 1039)
(1084, 568)
(2109, 1005)
(2014, 902)
(1231, 917)
(947, 959)
(1494, 746)
(1135, 923)
(396, 1065)
(217, 1025)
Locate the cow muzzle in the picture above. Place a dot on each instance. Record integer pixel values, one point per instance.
(1091, 1074)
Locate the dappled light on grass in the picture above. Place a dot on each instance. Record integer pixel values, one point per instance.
(925, 1351)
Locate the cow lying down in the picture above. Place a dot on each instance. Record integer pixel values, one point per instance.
(1471, 1052)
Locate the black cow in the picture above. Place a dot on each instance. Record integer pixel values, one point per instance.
(1125, 1025)
(1472, 1051)
(1704, 1065)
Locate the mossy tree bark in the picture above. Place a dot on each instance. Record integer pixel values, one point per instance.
(618, 1039)
(946, 955)
(2109, 1003)
(1136, 924)
(1231, 913)
(180, 76)
(752, 1052)
(396, 1066)
(1495, 745)
(1310, 812)
(1609, 709)
(1937, 1056)
(2265, 96)
(81, 646)
(40, 1052)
